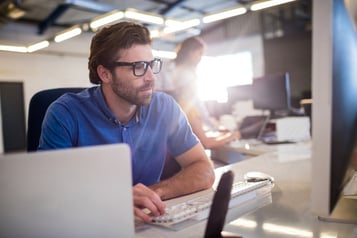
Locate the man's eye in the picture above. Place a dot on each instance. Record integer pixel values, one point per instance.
(140, 66)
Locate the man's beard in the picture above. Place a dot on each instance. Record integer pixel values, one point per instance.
(132, 95)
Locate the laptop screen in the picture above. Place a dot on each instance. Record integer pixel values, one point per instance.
(252, 126)
(77, 192)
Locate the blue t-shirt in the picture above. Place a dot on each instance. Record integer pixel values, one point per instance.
(84, 119)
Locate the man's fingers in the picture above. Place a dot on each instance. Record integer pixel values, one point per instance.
(145, 202)
(146, 198)
(142, 214)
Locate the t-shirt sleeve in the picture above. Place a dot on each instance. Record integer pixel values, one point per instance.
(57, 128)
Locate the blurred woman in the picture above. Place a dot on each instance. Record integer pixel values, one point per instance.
(184, 78)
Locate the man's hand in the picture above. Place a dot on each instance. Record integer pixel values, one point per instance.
(144, 197)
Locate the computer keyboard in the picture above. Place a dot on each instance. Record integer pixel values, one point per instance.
(197, 206)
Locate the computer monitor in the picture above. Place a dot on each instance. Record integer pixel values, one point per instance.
(334, 111)
(272, 92)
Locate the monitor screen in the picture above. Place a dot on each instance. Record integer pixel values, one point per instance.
(334, 115)
(272, 92)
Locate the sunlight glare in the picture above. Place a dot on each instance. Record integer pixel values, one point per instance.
(215, 74)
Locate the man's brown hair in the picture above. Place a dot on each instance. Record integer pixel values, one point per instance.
(109, 40)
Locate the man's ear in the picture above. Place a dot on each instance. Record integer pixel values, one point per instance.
(104, 74)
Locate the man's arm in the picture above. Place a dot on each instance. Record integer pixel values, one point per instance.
(196, 174)
(211, 142)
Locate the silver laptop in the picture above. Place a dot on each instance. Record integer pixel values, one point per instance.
(80, 192)
(252, 127)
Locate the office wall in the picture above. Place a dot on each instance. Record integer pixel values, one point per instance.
(291, 53)
(41, 71)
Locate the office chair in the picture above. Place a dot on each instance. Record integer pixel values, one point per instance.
(37, 110)
(219, 208)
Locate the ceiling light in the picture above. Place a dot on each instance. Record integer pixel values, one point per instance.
(225, 14)
(266, 4)
(12, 48)
(67, 34)
(174, 26)
(144, 16)
(106, 19)
(171, 22)
(14, 12)
(154, 33)
(38, 46)
(193, 31)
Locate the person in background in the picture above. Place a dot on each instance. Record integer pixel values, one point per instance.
(123, 108)
(184, 78)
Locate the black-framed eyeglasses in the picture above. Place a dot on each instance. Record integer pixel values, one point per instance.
(140, 67)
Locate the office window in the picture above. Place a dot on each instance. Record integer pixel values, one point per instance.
(215, 74)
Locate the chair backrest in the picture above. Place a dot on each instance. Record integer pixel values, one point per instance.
(37, 110)
(219, 207)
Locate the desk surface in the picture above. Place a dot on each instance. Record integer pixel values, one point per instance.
(288, 215)
(255, 147)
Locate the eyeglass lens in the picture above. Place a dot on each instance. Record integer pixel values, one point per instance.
(140, 68)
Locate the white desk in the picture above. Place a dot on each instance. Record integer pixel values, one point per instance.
(240, 150)
(289, 213)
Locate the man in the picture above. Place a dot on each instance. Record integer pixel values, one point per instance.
(125, 109)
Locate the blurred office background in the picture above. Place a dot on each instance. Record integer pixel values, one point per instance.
(239, 48)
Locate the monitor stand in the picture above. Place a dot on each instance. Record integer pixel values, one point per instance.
(345, 210)
(273, 114)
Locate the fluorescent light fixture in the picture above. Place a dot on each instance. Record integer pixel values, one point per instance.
(13, 48)
(143, 16)
(164, 54)
(193, 31)
(155, 33)
(14, 12)
(225, 14)
(67, 34)
(38, 46)
(106, 19)
(172, 23)
(174, 26)
(266, 4)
